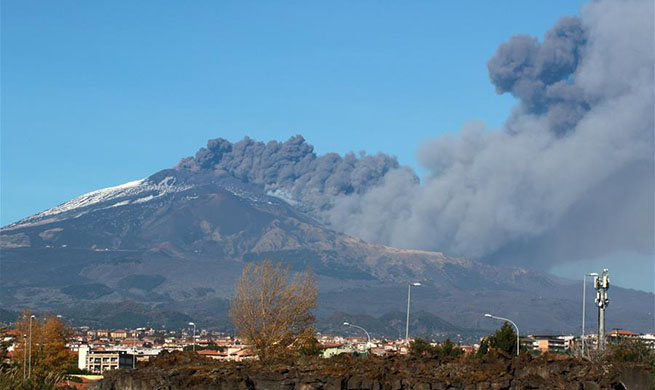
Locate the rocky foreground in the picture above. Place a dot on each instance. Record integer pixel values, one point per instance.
(494, 371)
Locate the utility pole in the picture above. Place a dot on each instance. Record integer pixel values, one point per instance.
(24, 357)
(194, 335)
(602, 284)
(29, 368)
(584, 310)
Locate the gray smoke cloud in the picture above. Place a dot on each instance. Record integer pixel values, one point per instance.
(539, 75)
(569, 175)
(292, 171)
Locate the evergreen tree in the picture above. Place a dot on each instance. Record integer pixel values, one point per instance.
(504, 339)
(484, 348)
(443, 351)
(421, 347)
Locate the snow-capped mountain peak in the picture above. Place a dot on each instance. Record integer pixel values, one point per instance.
(137, 191)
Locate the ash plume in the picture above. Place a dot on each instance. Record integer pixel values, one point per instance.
(292, 171)
(569, 175)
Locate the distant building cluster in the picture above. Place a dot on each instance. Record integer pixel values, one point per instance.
(99, 350)
(573, 344)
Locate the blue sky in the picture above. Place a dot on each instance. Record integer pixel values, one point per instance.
(95, 94)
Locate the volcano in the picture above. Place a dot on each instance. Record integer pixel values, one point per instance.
(169, 248)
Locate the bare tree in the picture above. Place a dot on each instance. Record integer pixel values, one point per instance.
(273, 311)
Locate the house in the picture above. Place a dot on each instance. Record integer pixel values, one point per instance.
(648, 339)
(617, 335)
(99, 361)
(131, 343)
(547, 343)
(99, 333)
(119, 334)
(334, 349)
(212, 354)
(81, 382)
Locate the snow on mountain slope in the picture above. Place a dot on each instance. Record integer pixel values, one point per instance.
(137, 191)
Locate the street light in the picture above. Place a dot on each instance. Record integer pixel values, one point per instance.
(584, 300)
(194, 335)
(409, 295)
(359, 327)
(29, 369)
(24, 356)
(518, 344)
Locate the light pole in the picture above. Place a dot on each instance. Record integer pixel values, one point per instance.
(359, 327)
(194, 335)
(29, 369)
(584, 300)
(409, 295)
(24, 356)
(518, 344)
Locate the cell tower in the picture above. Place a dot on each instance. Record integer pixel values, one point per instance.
(602, 284)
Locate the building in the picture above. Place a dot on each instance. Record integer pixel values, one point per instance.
(547, 343)
(99, 361)
(213, 354)
(98, 333)
(648, 339)
(618, 335)
(119, 334)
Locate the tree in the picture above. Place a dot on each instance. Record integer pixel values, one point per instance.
(421, 347)
(50, 356)
(5, 343)
(53, 353)
(504, 339)
(444, 351)
(448, 349)
(271, 311)
(308, 346)
(484, 348)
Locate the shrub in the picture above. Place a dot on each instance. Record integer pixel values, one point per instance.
(444, 351)
(629, 351)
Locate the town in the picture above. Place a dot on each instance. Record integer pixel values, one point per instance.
(100, 350)
(86, 354)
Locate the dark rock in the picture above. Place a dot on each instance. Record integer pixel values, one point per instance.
(187, 371)
(354, 383)
(334, 383)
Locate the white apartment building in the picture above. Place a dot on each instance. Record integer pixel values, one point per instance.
(99, 361)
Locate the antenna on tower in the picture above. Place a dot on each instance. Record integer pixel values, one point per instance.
(602, 284)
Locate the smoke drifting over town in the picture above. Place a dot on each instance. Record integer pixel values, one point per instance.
(569, 175)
